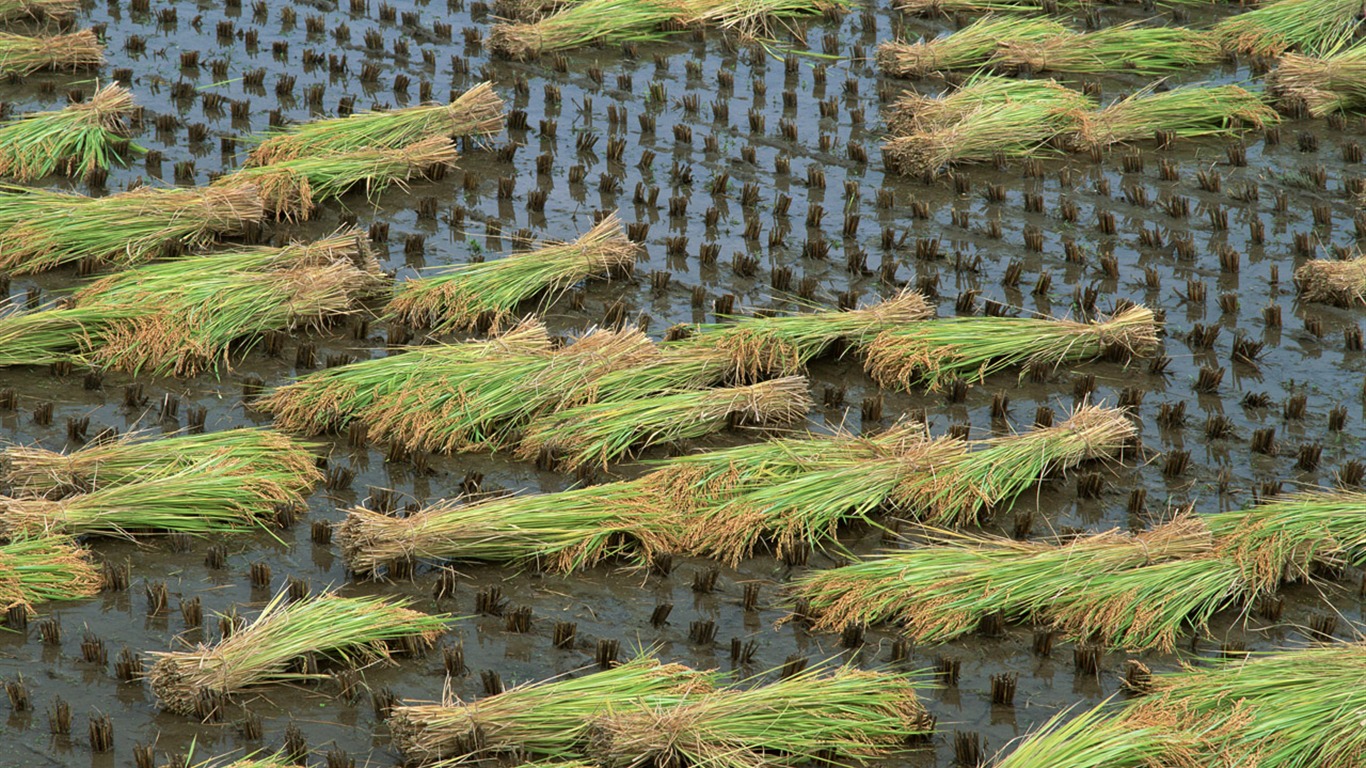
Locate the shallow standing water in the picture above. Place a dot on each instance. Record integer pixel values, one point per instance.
(705, 127)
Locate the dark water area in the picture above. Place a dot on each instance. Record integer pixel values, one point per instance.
(701, 126)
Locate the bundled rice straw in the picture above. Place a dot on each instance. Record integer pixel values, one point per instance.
(477, 112)
(1190, 112)
(561, 532)
(486, 295)
(548, 719)
(931, 353)
(1290, 709)
(211, 496)
(1311, 27)
(45, 568)
(41, 229)
(346, 630)
(15, 10)
(23, 55)
(258, 454)
(598, 434)
(293, 189)
(1124, 48)
(914, 112)
(1323, 85)
(952, 7)
(840, 718)
(277, 760)
(329, 400)
(1341, 283)
(52, 335)
(81, 138)
(971, 47)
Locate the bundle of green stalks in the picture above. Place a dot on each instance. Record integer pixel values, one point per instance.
(485, 405)
(185, 316)
(914, 112)
(477, 112)
(18, 10)
(559, 532)
(24, 55)
(211, 496)
(1338, 282)
(1130, 48)
(1290, 709)
(260, 455)
(42, 229)
(953, 7)
(549, 719)
(293, 189)
(840, 718)
(1322, 85)
(971, 47)
(44, 568)
(598, 434)
(81, 138)
(932, 353)
(1311, 27)
(1184, 113)
(329, 400)
(486, 295)
(49, 336)
(354, 631)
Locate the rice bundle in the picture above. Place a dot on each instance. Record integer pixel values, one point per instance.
(1290, 709)
(347, 630)
(45, 568)
(477, 112)
(1129, 48)
(52, 336)
(1338, 282)
(260, 455)
(598, 434)
(24, 55)
(42, 229)
(561, 532)
(277, 760)
(914, 112)
(484, 405)
(971, 47)
(1323, 85)
(932, 353)
(81, 138)
(1190, 112)
(329, 400)
(843, 718)
(13, 10)
(1311, 27)
(485, 295)
(954, 7)
(548, 719)
(293, 189)
(195, 311)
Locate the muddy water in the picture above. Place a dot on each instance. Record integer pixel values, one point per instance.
(1306, 356)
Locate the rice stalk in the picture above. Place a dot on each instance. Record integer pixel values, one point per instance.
(45, 568)
(842, 717)
(19, 10)
(1129, 48)
(548, 719)
(76, 140)
(600, 433)
(24, 55)
(55, 335)
(476, 112)
(292, 190)
(258, 454)
(932, 353)
(42, 229)
(329, 400)
(256, 760)
(346, 630)
(1323, 85)
(1014, 129)
(1188, 112)
(1310, 27)
(1341, 283)
(208, 497)
(487, 294)
(949, 8)
(971, 47)
(1094, 738)
(914, 112)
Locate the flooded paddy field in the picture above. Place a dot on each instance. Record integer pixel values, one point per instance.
(751, 178)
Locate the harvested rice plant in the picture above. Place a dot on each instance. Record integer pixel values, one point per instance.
(665, 383)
